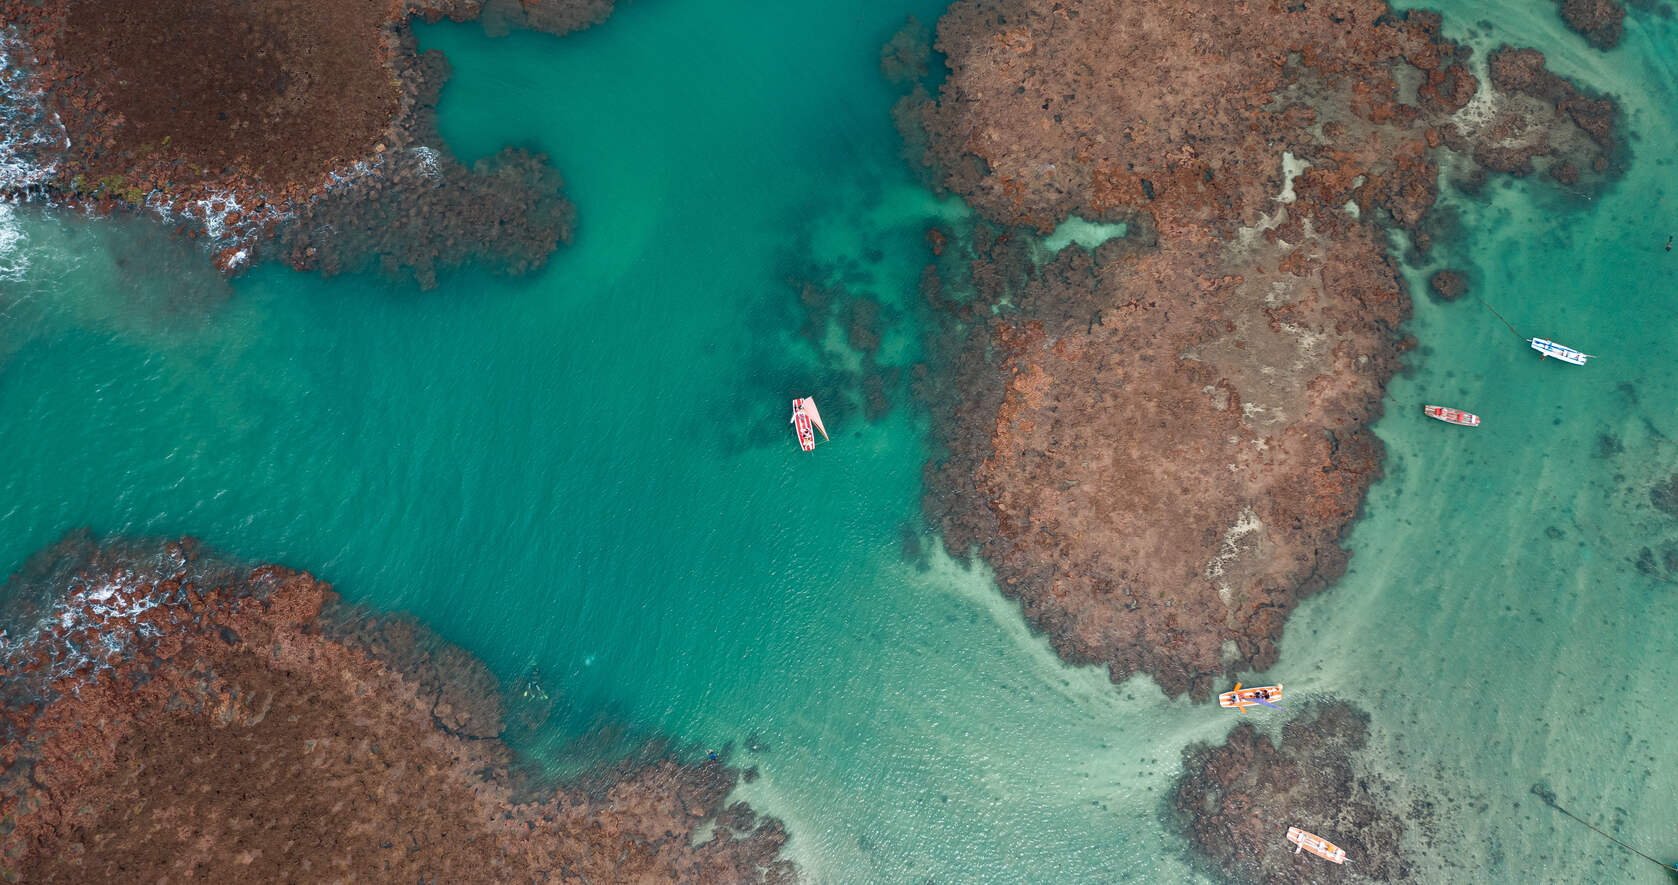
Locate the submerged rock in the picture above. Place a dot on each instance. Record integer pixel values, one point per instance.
(138, 744)
(1601, 22)
(1665, 496)
(1448, 284)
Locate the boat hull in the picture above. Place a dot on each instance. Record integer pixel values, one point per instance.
(1245, 697)
(1452, 416)
(1316, 845)
(1559, 351)
(801, 423)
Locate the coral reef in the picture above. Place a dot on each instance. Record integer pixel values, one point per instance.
(1448, 284)
(1600, 22)
(1235, 802)
(1157, 442)
(168, 715)
(424, 211)
(313, 121)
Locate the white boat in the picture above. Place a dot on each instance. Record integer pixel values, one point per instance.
(1560, 351)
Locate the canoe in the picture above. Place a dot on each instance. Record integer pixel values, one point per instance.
(1452, 416)
(1316, 845)
(1242, 698)
(804, 417)
(1559, 351)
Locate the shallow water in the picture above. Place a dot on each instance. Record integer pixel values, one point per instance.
(1493, 604)
(588, 471)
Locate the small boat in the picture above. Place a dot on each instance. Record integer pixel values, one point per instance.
(1242, 698)
(1560, 351)
(1452, 416)
(1316, 845)
(804, 418)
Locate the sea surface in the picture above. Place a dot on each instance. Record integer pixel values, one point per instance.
(587, 473)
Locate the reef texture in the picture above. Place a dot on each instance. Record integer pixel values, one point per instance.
(1157, 443)
(1448, 284)
(242, 120)
(1600, 22)
(168, 716)
(1236, 802)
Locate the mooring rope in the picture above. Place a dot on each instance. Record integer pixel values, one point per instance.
(1549, 798)
(1500, 317)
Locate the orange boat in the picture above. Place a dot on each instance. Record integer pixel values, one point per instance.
(1452, 416)
(1260, 695)
(1316, 845)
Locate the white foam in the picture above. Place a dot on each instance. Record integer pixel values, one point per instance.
(429, 161)
(103, 616)
(213, 215)
(14, 261)
(31, 136)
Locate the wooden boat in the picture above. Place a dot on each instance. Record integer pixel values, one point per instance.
(1316, 845)
(1560, 351)
(1258, 695)
(804, 418)
(1452, 416)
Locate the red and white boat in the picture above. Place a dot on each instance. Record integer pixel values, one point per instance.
(1316, 845)
(804, 418)
(1452, 416)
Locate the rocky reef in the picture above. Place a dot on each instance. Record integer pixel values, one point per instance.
(1600, 22)
(307, 121)
(1448, 284)
(1235, 802)
(1157, 441)
(166, 714)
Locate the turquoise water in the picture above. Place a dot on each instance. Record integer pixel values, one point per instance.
(589, 471)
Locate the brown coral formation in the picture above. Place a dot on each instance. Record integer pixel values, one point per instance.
(168, 716)
(424, 212)
(239, 119)
(1540, 117)
(1157, 443)
(1235, 802)
(1600, 22)
(1448, 284)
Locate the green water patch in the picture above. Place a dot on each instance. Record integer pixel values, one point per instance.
(589, 471)
(1501, 618)
(1088, 234)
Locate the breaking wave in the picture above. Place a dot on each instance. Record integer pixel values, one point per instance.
(86, 606)
(31, 136)
(14, 262)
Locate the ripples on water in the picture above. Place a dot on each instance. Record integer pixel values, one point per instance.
(578, 471)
